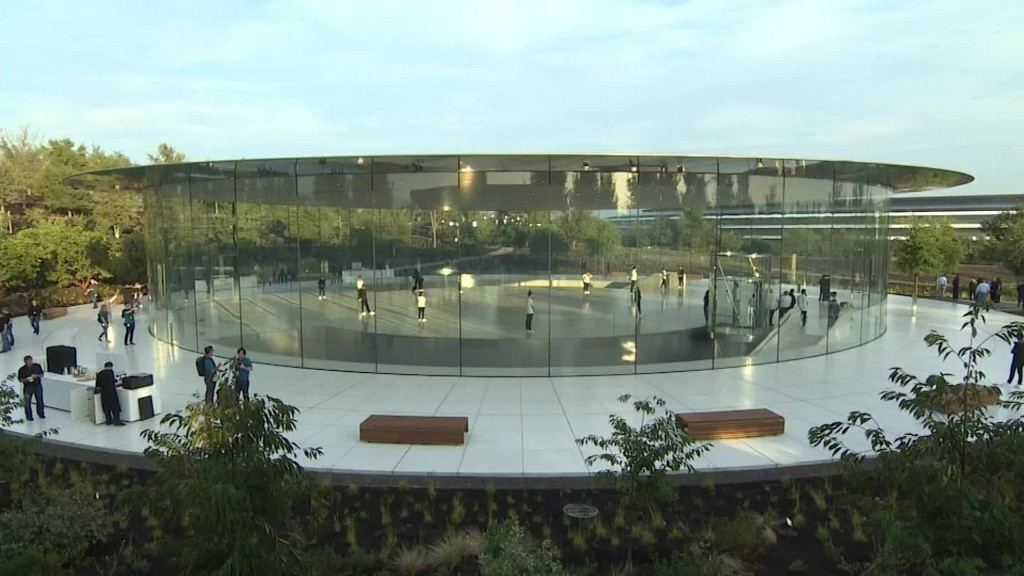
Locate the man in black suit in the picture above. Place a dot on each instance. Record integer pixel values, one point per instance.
(31, 377)
(106, 385)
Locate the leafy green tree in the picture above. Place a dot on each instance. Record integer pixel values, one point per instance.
(930, 248)
(642, 457)
(948, 494)
(1006, 234)
(227, 475)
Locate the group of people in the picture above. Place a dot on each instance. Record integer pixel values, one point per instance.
(127, 320)
(979, 290)
(210, 369)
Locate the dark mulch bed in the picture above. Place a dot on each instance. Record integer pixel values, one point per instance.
(368, 524)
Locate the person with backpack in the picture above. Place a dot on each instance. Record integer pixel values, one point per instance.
(207, 367)
(103, 318)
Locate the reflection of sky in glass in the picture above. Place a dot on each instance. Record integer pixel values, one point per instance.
(621, 192)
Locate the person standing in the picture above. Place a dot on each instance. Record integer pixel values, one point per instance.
(587, 277)
(31, 377)
(956, 287)
(682, 277)
(128, 319)
(664, 279)
(940, 285)
(996, 290)
(981, 292)
(210, 369)
(773, 306)
(9, 333)
(106, 386)
(707, 303)
(1020, 294)
(5, 329)
(1017, 361)
(321, 288)
(633, 277)
(421, 306)
(103, 318)
(833, 309)
(529, 311)
(801, 303)
(35, 314)
(824, 288)
(363, 297)
(244, 370)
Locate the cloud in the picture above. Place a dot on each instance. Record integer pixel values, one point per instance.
(920, 82)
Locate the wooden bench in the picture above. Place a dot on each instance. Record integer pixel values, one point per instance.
(726, 424)
(433, 430)
(51, 313)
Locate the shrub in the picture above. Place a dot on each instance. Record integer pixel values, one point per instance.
(509, 550)
(950, 494)
(59, 525)
(227, 476)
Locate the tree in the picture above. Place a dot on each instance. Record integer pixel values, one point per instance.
(165, 154)
(930, 248)
(946, 495)
(642, 457)
(1006, 233)
(227, 476)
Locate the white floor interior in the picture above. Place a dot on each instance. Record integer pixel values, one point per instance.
(527, 426)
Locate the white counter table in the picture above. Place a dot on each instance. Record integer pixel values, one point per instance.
(78, 397)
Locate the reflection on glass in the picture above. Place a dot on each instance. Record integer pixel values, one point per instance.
(433, 264)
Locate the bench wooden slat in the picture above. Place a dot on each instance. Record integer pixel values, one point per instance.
(727, 424)
(430, 430)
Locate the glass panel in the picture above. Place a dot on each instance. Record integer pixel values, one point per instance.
(677, 231)
(847, 261)
(806, 248)
(592, 331)
(503, 231)
(268, 232)
(745, 285)
(417, 204)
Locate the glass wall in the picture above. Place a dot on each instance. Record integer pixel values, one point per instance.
(518, 265)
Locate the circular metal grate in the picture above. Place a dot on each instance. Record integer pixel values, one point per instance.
(580, 511)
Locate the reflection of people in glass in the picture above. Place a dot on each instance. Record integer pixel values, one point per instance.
(587, 277)
(824, 288)
(529, 311)
(321, 288)
(664, 279)
(707, 302)
(801, 302)
(361, 295)
(636, 296)
(833, 309)
(632, 279)
(417, 281)
(421, 306)
(682, 277)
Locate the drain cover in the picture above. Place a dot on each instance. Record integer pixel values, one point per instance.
(580, 511)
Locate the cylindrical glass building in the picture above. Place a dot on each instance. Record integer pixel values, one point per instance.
(326, 262)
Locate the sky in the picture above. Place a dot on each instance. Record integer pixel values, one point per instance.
(936, 83)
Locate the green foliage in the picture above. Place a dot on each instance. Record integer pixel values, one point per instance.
(22, 562)
(227, 476)
(1006, 240)
(950, 492)
(508, 550)
(57, 524)
(642, 457)
(165, 154)
(930, 248)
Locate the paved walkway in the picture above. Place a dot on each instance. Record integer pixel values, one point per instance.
(527, 426)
